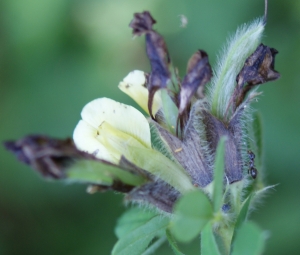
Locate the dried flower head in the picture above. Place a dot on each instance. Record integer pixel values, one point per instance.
(199, 145)
(156, 160)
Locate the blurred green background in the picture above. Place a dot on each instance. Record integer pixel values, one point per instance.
(57, 55)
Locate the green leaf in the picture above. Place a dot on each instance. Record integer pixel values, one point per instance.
(136, 241)
(249, 240)
(208, 242)
(219, 175)
(257, 132)
(172, 243)
(244, 212)
(96, 172)
(241, 218)
(132, 219)
(192, 212)
(170, 111)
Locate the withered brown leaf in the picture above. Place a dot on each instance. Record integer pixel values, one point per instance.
(142, 23)
(159, 193)
(46, 155)
(215, 129)
(157, 53)
(52, 157)
(258, 69)
(188, 153)
(198, 74)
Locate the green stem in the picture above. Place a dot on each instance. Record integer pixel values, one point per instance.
(236, 196)
(226, 234)
(225, 231)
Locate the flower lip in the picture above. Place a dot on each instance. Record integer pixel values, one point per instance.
(134, 85)
(85, 139)
(123, 118)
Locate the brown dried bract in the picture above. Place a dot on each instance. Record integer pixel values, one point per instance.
(159, 194)
(115, 186)
(142, 23)
(52, 157)
(215, 129)
(157, 53)
(258, 69)
(48, 156)
(198, 74)
(190, 156)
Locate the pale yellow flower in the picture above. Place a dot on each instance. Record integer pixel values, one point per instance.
(110, 130)
(106, 122)
(134, 85)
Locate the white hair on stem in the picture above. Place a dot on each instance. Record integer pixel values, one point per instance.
(198, 123)
(230, 62)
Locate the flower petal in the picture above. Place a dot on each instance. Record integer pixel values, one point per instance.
(120, 116)
(85, 139)
(116, 141)
(134, 85)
